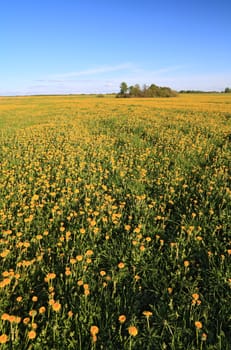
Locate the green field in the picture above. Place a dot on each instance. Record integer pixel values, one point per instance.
(115, 223)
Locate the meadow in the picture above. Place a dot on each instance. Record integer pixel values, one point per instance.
(115, 223)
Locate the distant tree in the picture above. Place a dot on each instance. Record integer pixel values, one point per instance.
(123, 88)
(227, 90)
(135, 91)
(151, 91)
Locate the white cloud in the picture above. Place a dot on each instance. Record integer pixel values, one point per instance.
(93, 71)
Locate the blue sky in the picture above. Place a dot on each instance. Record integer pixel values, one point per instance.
(73, 46)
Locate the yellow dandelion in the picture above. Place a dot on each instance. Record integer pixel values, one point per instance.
(51, 276)
(204, 337)
(70, 314)
(122, 318)
(33, 313)
(89, 252)
(94, 330)
(147, 313)
(137, 277)
(5, 317)
(12, 318)
(102, 273)
(26, 320)
(32, 334)
(68, 272)
(198, 325)
(121, 265)
(73, 261)
(42, 310)
(133, 331)
(3, 338)
(195, 296)
(56, 307)
(86, 292)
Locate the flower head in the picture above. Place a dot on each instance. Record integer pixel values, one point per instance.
(94, 330)
(122, 318)
(133, 331)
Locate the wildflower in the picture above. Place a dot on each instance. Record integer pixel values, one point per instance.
(5, 253)
(137, 277)
(147, 313)
(89, 252)
(195, 296)
(50, 276)
(70, 314)
(122, 318)
(102, 273)
(42, 310)
(33, 313)
(186, 263)
(86, 292)
(121, 265)
(133, 331)
(79, 257)
(12, 318)
(204, 337)
(26, 320)
(32, 334)
(68, 271)
(34, 298)
(3, 338)
(73, 261)
(17, 319)
(94, 330)
(5, 317)
(56, 307)
(198, 325)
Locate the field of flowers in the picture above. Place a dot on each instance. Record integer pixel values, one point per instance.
(115, 223)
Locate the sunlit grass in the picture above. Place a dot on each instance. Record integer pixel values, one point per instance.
(115, 222)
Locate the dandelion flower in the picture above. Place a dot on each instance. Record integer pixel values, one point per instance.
(198, 324)
(94, 330)
(133, 331)
(122, 318)
(32, 334)
(121, 265)
(3, 338)
(195, 296)
(56, 307)
(147, 313)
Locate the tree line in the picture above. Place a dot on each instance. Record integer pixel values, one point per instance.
(146, 91)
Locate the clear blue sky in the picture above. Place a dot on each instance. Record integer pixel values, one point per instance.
(84, 46)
